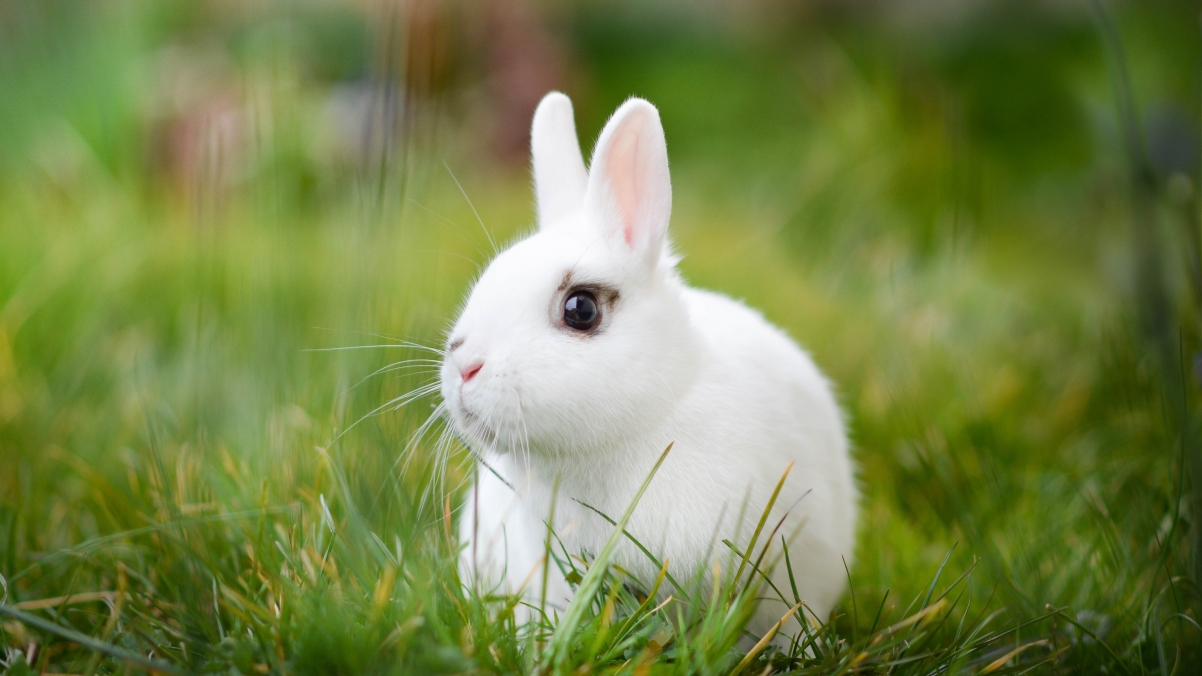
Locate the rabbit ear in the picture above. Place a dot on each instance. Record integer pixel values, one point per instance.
(559, 173)
(629, 189)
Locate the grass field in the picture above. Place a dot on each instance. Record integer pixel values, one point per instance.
(204, 278)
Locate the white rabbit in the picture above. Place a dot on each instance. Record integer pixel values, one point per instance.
(581, 354)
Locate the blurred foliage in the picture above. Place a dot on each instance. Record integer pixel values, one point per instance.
(940, 202)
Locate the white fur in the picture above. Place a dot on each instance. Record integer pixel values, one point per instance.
(668, 363)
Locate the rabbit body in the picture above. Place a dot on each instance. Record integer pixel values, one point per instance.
(579, 417)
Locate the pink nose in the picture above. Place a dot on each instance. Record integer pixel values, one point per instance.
(468, 372)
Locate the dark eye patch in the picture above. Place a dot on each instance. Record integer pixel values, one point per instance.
(582, 306)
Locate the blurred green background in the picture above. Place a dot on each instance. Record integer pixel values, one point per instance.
(982, 218)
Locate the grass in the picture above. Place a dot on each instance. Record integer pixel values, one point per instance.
(197, 475)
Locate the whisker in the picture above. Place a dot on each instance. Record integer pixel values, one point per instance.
(525, 432)
(394, 346)
(442, 468)
(415, 394)
(458, 228)
(473, 207)
(418, 346)
(479, 268)
(392, 339)
(408, 452)
(442, 456)
(398, 366)
(421, 431)
(350, 347)
(407, 371)
(431, 488)
(412, 395)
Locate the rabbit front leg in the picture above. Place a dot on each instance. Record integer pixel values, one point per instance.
(504, 549)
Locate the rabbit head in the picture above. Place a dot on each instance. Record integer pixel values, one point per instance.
(575, 338)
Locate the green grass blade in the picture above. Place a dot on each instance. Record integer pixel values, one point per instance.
(574, 615)
(88, 641)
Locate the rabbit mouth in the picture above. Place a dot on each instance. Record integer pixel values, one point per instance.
(489, 435)
(487, 420)
(470, 419)
(474, 428)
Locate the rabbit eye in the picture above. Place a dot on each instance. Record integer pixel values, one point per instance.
(581, 312)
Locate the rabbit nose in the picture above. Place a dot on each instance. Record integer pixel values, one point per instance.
(467, 360)
(470, 370)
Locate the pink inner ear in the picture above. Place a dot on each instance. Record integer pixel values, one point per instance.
(625, 177)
